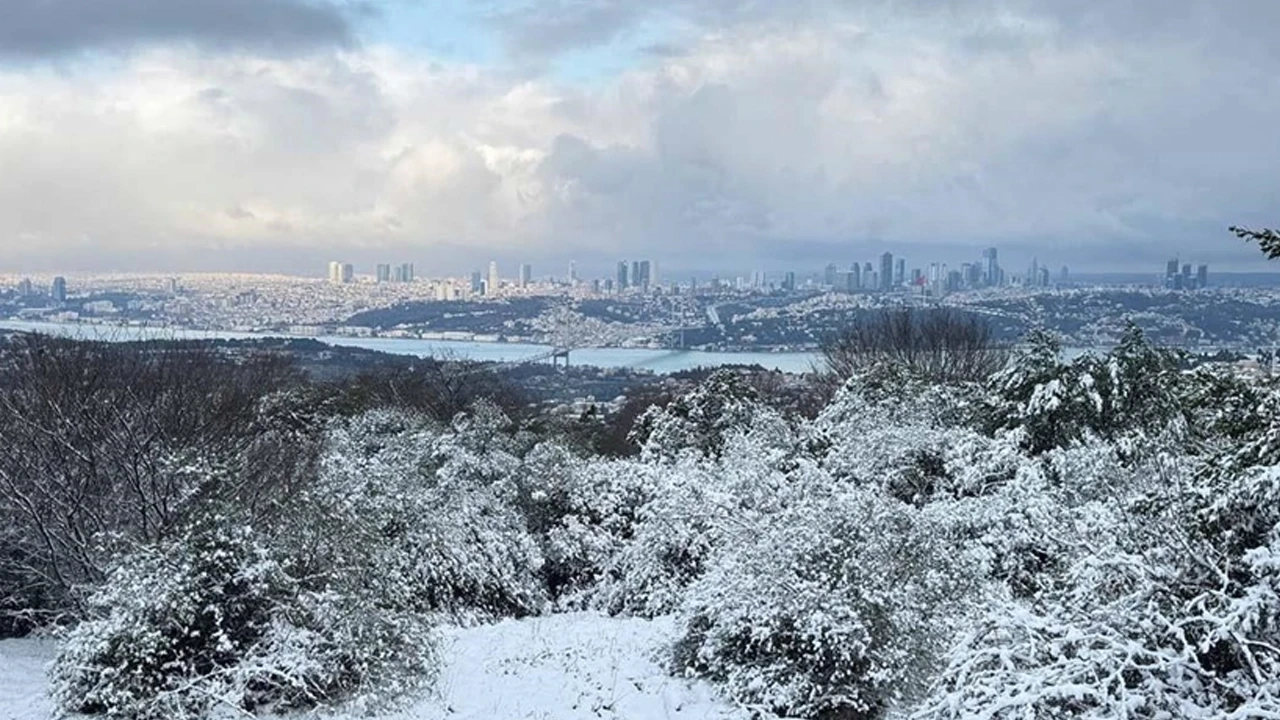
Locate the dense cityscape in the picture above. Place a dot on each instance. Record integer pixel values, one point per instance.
(635, 306)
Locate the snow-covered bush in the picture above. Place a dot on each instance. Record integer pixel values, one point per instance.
(426, 515)
(1172, 610)
(217, 621)
(695, 505)
(581, 512)
(837, 607)
(1134, 389)
(702, 420)
(1126, 639)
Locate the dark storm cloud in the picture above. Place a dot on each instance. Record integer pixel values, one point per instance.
(32, 29)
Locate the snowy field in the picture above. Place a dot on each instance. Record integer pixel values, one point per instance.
(562, 667)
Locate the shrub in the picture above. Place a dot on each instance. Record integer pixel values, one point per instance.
(835, 608)
(426, 515)
(216, 620)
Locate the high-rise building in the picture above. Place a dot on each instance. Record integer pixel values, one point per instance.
(1044, 277)
(25, 288)
(477, 283)
(382, 273)
(900, 272)
(829, 275)
(622, 281)
(407, 272)
(340, 272)
(573, 272)
(856, 282)
(526, 275)
(495, 283)
(642, 276)
(886, 271)
(991, 267)
(789, 281)
(58, 291)
(1171, 279)
(635, 274)
(1202, 277)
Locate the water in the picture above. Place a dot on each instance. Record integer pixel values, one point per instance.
(658, 361)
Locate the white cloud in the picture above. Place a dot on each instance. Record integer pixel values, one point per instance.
(923, 130)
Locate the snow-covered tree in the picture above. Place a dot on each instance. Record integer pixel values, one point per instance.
(838, 606)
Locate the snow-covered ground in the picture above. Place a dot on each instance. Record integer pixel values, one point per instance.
(562, 667)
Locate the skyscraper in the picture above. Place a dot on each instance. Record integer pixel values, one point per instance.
(25, 288)
(383, 273)
(622, 279)
(1202, 277)
(642, 277)
(855, 283)
(573, 272)
(1171, 274)
(829, 275)
(477, 283)
(59, 289)
(494, 281)
(526, 275)
(991, 264)
(900, 272)
(406, 272)
(340, 272)
(886, 271)
(789, 281)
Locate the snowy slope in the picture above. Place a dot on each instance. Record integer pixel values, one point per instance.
(562, 667)
(22, 679)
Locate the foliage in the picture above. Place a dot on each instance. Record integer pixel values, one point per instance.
(943, 345)
(1133, 389)
(216, 620)
(837, 607)
(1268, 240)
(424, 514)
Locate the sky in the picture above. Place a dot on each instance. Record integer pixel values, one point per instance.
(275, 135)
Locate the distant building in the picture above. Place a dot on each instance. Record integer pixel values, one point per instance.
(573, 274)
(340, 272)
(58, 291)
(789, 281)
(495, 283)
(623, 278)
(900, 273)
(886, 271)
(644, 277)
(172, 286)
(991, 267)
(1202, 277)
(383, 273)
(526, 275)
(829, 275)
(25, 288)
(406, 272)
(477, 283)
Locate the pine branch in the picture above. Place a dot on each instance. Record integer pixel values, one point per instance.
(1268, 240)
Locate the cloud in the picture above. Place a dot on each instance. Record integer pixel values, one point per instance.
(920, 127)
(32, 29)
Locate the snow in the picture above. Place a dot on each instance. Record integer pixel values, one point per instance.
(22, 679)
(566, 667)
